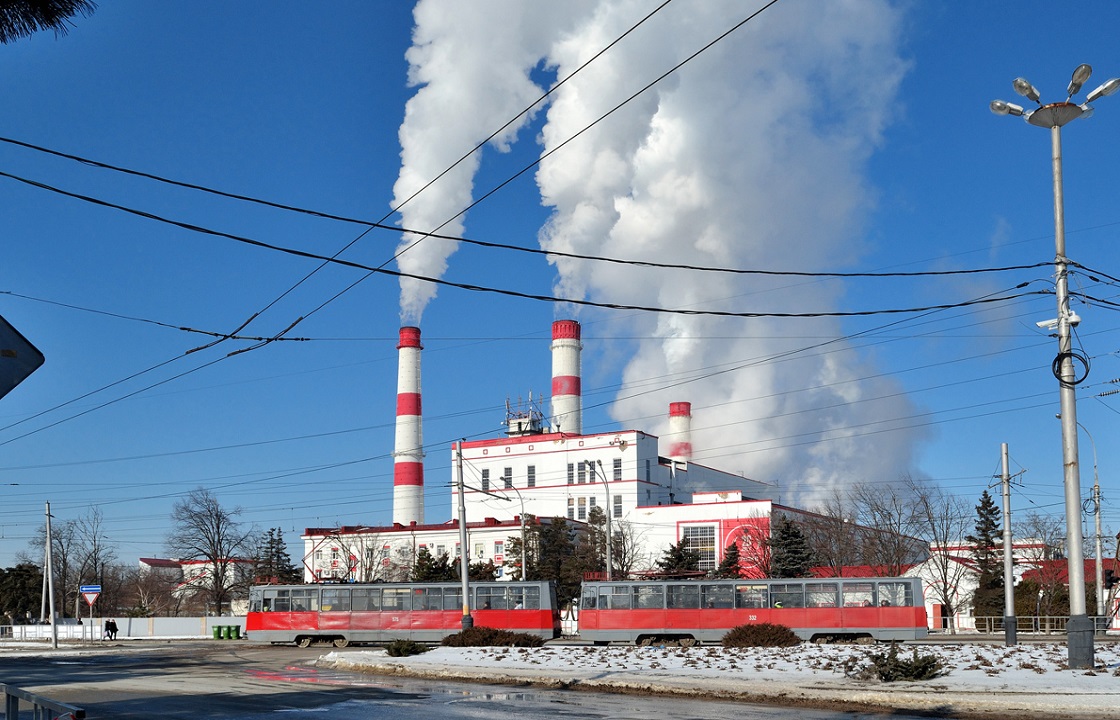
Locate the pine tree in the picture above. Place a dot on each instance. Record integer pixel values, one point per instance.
(729, 567)
(433, 569)
(678, 559)
(272, 562)
(988, 600)
(790, 554)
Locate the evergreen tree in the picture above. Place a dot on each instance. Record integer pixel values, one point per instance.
(271, 562)
(434, 569)
(729, 567)
(790, 554)
(556, 558)
(988, 600)
(482, 571)
(679, 560)
(20, 593)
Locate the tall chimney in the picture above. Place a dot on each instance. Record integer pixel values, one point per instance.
(408, 454)
(680, 432)
(566, 400)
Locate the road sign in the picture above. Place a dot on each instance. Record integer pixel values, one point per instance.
(91, 597)
(89, 588)
(18, 358)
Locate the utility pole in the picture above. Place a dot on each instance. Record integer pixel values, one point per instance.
(464, 552)
(50, 581)
(1009, 626)
(607, 510)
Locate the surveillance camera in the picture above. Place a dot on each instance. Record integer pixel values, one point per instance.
(1047, 324)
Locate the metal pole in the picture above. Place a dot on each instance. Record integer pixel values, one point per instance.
(607, 510)
(1079, 630)
(1009, 622)
(1097, 513)
(464, 553)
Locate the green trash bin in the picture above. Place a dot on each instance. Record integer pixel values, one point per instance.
(225, 632)
(234, 632)
(217, 632)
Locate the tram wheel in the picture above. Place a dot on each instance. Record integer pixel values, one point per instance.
(303, 641)
(687, 642)
(645, 641)
(341, 642)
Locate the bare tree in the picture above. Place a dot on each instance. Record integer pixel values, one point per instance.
(204, 530)
(755, 550)
(892, 516)
(943, 520)
(832, 533)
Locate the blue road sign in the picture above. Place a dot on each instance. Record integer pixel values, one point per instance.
(89, 588)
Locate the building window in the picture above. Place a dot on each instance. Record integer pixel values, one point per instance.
(479, 548)
(508, 477)
(531, 476)
(318, 555)
(582, 509)
(571, 473)
(618, 506)
(701, 539)
(571, 508)
(582, 472)
(486, 480)
(441, 550)
(499, 547)
(590, 503)
(458, 549)
(617, 468)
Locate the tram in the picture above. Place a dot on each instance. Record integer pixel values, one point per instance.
(687, 612)
(342, 614)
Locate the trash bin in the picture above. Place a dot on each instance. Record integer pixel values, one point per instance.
(217, 632)
(234, 632)
(225, 632)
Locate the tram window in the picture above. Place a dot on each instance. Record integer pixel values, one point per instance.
(305, 600)
(254, 601)
(589, 600)
(750, 596)
(491, 598)
(717, 596)
(896, 593)
(858, 594)
(787, 595)
(614, 597)
(821, 594)
(336, 599)
(366, 599)
(396, 599)
(278, 600)
(427, 599)
(452, 598)
(649, 597)
(532, 598)
(683, 596)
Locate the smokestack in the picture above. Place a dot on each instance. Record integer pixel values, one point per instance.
(408, 454)
(680, 432)
(566, 400)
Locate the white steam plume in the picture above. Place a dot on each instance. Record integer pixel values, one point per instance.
(751, 156)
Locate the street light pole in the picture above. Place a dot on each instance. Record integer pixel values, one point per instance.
(1054, 116)
(508, 482)
(1096, 500)
(607, 511)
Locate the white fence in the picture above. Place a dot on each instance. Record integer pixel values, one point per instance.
(127, 628)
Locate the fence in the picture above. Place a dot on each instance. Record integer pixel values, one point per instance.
(44, 709)
(1037, 624)
(127, 628)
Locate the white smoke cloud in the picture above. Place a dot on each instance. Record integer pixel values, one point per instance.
(751, 156)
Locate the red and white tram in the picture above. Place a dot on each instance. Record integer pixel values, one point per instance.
(689, 611)
(425, 612)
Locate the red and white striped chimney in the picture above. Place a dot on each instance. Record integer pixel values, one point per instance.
(680, 432)
(566, 392)
(408, 454)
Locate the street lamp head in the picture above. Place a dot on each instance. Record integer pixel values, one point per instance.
(1080, 75)
(999, 107)
(1106, 89)
(1024, 88)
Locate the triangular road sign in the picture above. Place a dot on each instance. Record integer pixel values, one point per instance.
(18, 358)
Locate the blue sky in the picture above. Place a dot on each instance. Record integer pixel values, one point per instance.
(842, 137)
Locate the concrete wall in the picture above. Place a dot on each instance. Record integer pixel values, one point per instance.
(127, 628)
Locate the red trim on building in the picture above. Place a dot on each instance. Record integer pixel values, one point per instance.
(565, 385)
(408, 473)
(408, 404)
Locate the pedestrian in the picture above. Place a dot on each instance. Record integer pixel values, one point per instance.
(111, 629)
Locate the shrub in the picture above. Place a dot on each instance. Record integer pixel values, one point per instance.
(888, 667)
(760, 635)
(404, 648)
(491, 637)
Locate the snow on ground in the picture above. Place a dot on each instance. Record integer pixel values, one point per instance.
(982, 679)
